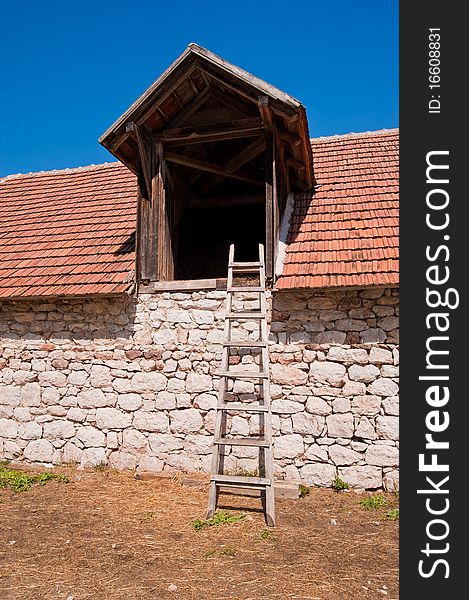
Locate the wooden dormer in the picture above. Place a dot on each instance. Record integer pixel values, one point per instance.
(216, 152)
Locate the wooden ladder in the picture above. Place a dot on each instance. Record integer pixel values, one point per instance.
(265, 481)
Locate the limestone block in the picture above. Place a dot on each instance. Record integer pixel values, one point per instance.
(130, 402)
(366, 405)
(100, 376)
(178, 316)
(276, 391)
(331, 337)
(76, 414)
(286, 407)
(389, 371)
(151, 421)
(341, 405)
(382, 456)
(384, 387)
(365, 429)
(318, 406)
(205, 402)
(202, 317)
(197, 444)
(11, 395)
(151, 381)
(318, 474)
(354, 388)
(122, 386)
(288, 375)
(131, 438)
(91, 437)
(39, 451)
(58, 430)
(342, 455)
(362, 477)
(381, 356)
(308, 424)
(391, 480)
(239, 426)
(52, 378)
(365, 374)
(185, 462)
(340, 425)
(112, 418)
(348, 355)
(165, 337)
(391, 406)
(8, 428)
(165, 400)
(77, 378)
(164, 443)
(71, 453)
(327, 372)
(372, 335)
(93, 457)
(22, 413)
(21, 377)
(388, 427)
(288, 446)
(198, 382)
(316, 453)
(186, 420)
(91, 398)
(389, 323)
(29, 431)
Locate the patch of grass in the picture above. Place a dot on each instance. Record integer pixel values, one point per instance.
(303, 490)
(221, 517)
(21, 482)
(392, 514)
(338, 485)
(100, 467)
(374, 501)
(147, 515)
(210, 553)
(268, 535)
(228, 551)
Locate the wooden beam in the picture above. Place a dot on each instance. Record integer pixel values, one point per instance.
(144, 149)
(249, 153)
(230, 101)
(227, 201)
(179, 102)
(266, 114)
(194, 87)
(289, 137)
(202, 165)
(269, 198)
(190, 108)
(229, 130)
(296, 164)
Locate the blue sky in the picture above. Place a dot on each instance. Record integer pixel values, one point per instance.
(69, 68)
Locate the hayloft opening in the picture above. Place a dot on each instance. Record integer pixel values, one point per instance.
(216, 151)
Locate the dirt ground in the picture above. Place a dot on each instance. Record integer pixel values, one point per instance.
(107, 535)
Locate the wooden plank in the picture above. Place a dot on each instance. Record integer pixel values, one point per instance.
(228, 130)
(144, 149)
(269, 197)
(241, 479)
(266, 113)
(202, 165)
(183, 284)
(241, 406)
(243, 374)
(241, 442)
(246, 155)
(190, 108)
(296, 164)
(230, 101)
(288, 136)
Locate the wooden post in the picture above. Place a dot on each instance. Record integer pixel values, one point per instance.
(269, 208)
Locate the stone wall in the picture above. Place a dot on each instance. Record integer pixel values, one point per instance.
(131, 383)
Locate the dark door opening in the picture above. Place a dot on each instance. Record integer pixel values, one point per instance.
(205, 234)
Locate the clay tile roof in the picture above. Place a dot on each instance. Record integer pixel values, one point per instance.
(345, 234)
(67, 233)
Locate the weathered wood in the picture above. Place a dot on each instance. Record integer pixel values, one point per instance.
(230, 101)
(144, 151)
(269, 198)
(202, 165)
(229, 130)
(190, 108)
(296, 164)
(246, 155)
(288, 136)
(264, 109)
(174, 286)
(146, 266)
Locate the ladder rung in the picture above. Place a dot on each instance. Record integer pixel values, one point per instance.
(240, 480)
(241, 442)
(243, 315)
(243, 374)
(242, 265)
(245, 344)
(244, 288)
(243, 406)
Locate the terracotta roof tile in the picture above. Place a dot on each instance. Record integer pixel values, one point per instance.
(345, 234)
(67, 233)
